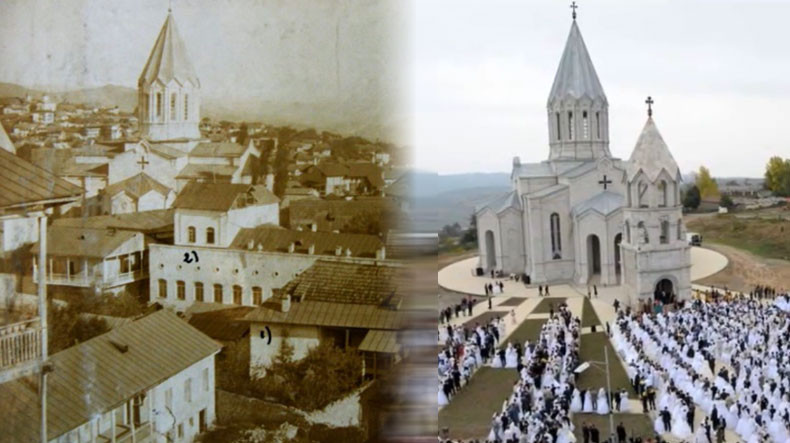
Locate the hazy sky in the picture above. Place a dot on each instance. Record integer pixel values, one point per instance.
(342, 51)
(719, 71)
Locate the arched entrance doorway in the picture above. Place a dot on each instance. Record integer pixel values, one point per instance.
(617, 266)
(664, 291)
(593, 255)
(490, 251)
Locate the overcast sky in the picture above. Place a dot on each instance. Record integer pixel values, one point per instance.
(346, 51)
(718, 70)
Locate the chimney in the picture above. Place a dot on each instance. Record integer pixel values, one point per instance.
(314, 227)
(339, 251)
(292, 247)
(251, 244)
(285, 304)
(348, 252)
(381, 253)
(311, 249)
(260, 247)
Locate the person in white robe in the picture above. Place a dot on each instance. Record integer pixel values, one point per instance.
(588, 402)
(602, 403)
(511, 356)
(576, 401)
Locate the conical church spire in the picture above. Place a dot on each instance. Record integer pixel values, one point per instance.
(169, 59)
(578, 111)
(576, 77)
(169, 89)
(651, 155)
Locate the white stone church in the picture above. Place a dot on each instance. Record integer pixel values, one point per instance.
(583, 216)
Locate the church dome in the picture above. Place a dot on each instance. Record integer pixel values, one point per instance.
(651, 155)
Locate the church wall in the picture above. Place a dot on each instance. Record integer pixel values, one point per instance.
(512, 249)
(227, 267)
(530, 185)
(121, 203)
(126, 165)
(262, 353)
(544, 267)
(488, 221)
(151, 201)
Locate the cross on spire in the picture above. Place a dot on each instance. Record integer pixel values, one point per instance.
(170, 6)
(649, 102)
(142, 162)
(574, 6)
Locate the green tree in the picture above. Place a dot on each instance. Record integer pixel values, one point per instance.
(470, 236)
(726, 201)
(692, 198)
(777, 176)
(706, 184)
(365, 222)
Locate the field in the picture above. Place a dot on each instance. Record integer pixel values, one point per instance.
(764, 236)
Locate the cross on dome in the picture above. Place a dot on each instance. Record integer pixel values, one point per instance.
(574, 6)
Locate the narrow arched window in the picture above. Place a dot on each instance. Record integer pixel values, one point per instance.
(642, 233)
(186, 106)
(664, 232)
(257, 295)
(158, 97)
(571, 132)
(556, 240)
(628, 232)
(641, 197)
(663, 193)
(598, 124)
(191, 234)
(237, 294)
(162, 288)
(680, 230)
(181, 291)
(198, 291)
(210, 236)
(173, 106)
(559, 127)
(585, 126)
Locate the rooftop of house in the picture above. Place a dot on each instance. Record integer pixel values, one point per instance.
(222, 196)
(84, 242)
(276, 239)
(124, 362)
(345, 282)
(137, 186)
(217, 149)
(24, 184)
(331, 215)
(145, 221)
(207, 171)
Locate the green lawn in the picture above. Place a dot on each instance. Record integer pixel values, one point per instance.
(545, 305)
(589, 317)
(765, 237)
(527, 330)
(592, 349)
(636, 425)
(469, 414)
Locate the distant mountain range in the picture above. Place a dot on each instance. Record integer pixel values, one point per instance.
(346, 119)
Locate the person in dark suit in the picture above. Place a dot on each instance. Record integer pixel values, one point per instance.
(595, 434)
(586, 433)
(621, 433)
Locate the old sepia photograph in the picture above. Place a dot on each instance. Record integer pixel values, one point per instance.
(206, 224)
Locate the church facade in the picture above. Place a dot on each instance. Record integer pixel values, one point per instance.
(583, 216)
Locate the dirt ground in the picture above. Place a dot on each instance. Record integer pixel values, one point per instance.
(746, 270)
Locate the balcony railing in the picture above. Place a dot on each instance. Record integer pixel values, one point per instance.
(19, 343)
(83, 280)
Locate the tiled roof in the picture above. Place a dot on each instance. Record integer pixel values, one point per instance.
(331, 215)
(96, 376)
(223, 324)
(22, 183)
(222, 196)
(205, 171)
(276, 239)
(217, 149)
(83, 242)
(342, 282)
(328, 314)
(137, 186)
(166, 151)
(145, 221)
(380, 341)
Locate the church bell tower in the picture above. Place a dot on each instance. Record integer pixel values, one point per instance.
(578, 112)
(656, 255)
(169, 90)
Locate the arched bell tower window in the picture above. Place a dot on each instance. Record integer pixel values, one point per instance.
(173, 109)
(585, 126)
(641, 194)
(158, 97)
(664, 232)
(598, 124)
(680, 230)
(556, 241)
(559, 127)
(628, 231)
(571, 132)
(663, 193)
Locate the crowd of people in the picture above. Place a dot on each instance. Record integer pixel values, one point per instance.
(677, 353)
(464, 350)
